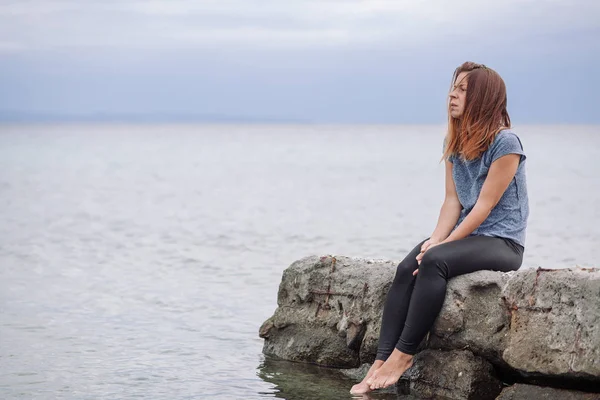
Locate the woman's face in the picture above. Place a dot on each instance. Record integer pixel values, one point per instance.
(458, 95)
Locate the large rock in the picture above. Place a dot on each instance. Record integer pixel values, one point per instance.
(531, 323)
(538, 322)
(474, 316)
(327, 309)
(555, 322)
(521, 392)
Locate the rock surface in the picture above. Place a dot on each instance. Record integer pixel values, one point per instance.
(520, 392)
(326, 309)
(555, 322)
(531, 323)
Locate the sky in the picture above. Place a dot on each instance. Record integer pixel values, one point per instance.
(317, 61)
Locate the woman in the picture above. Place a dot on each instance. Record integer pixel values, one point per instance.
(481, 225)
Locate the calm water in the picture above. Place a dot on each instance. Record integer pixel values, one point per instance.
(140, 261)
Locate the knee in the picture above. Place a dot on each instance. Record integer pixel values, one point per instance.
(431, 257)
(404, 271)
(433, 262)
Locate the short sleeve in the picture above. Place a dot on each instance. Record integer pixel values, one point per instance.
(506, 143)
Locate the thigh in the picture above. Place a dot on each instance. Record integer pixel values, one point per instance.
(472, 254)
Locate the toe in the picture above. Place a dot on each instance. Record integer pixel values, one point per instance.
(384, 381)
(360, 388)
(372, 379)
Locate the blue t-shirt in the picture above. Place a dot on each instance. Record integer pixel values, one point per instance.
(508, 219)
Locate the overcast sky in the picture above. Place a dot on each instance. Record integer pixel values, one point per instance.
(306, 60)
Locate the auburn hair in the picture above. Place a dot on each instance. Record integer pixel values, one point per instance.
(484, 112)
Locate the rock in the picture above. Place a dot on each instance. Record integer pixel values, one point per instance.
(311, 344)
(328, 307)
(452, 374)
(534, 324)
(358, 374)
(520, 392)
(474, 316)
(538, 322)
(555, 322)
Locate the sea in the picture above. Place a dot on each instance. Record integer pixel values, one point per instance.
(139, 261)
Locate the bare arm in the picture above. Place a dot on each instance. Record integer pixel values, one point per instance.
(501, 173)
(449, 214)
(450, 211)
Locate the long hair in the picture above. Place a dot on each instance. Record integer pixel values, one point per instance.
(483, 116)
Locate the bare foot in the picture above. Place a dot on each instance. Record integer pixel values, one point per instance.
(390, 371)
(363, 386)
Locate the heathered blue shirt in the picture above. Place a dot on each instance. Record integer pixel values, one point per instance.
(508, 218)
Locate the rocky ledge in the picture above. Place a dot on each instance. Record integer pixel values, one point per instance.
(537, 330)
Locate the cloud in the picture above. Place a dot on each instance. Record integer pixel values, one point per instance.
(321, 60)
(270, 24)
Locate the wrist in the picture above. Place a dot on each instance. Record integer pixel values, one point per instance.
(448, 239)
(436, 238)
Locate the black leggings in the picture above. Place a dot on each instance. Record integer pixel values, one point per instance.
(413, 302)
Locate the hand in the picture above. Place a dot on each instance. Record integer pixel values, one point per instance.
(429, 243)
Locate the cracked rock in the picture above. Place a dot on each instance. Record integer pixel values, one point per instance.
(535, 324)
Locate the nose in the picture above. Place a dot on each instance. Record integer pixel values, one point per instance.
(453, 94)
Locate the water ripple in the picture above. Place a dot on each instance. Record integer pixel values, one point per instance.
(131, 271)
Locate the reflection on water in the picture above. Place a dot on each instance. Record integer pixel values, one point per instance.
(296, 381)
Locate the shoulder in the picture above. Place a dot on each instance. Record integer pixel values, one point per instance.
(505, 142)
(506, 138)
(507, 135)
